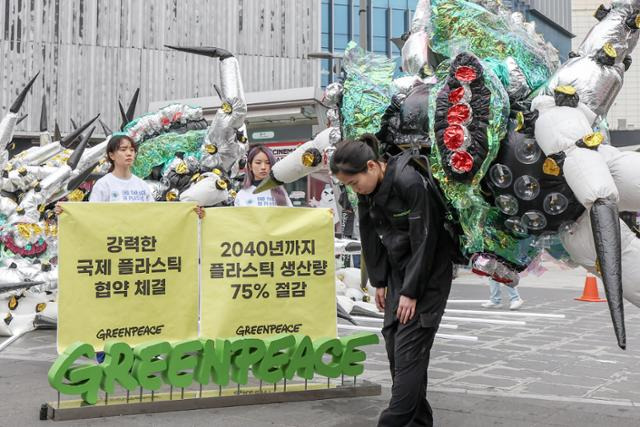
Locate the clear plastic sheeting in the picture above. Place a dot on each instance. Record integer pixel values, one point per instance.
(464, 25)
(598, 85)
(367, 90)
(613, 29)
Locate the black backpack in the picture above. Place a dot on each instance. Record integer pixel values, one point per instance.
(451, 223)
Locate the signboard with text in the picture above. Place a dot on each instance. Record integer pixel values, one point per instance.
(267, 271)
(128, 272)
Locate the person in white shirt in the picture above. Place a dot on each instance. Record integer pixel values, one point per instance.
(120, 184)
(259, 162)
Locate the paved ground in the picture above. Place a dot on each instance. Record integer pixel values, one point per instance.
(549, 372)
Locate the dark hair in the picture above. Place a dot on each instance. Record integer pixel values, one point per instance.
(114, 145)
(351, 156)
(277, 193)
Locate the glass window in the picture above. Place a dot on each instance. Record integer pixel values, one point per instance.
(398, 4)
(324, 72)
(340, 19)
(398, 23)
(325, 42)
(326, 16)
(355, 19)
(340, 42)
(380, 3)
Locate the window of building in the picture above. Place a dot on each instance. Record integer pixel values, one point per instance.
(386, 19)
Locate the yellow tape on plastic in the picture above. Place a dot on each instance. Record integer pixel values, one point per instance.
(267, 271)
(127, 272)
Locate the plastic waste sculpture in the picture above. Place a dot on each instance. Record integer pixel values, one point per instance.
(180, 156)
(518, 144)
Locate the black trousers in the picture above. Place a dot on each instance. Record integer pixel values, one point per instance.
(408, 349)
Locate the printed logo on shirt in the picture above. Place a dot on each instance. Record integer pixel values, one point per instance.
(405, 213)
(114, 195)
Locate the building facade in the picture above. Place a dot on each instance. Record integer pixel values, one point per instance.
(552, 19)
(388, 19)
(92, 53)
(624, 115)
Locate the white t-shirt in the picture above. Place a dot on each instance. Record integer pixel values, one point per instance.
(110, 188)
(245, 197)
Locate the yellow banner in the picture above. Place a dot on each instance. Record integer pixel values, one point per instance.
(267, 271)
(128, 271)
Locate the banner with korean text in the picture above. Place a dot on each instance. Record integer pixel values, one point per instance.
(267, 271)
(128, 271)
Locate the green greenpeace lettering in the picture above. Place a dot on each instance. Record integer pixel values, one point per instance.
(179, 364)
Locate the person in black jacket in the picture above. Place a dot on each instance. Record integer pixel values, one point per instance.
(407, 253)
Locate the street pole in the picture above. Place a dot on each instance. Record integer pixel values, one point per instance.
(363, 24)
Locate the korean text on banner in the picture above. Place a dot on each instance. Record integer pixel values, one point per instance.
(127, 272)
(267, 271)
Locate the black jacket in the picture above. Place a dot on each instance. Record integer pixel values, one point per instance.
(404, 243)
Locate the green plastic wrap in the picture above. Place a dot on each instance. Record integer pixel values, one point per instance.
(463, 25)
(162, 149)
(367, 90)
(467, 199)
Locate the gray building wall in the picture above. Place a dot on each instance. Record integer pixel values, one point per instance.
(552, 18)
(93, 53)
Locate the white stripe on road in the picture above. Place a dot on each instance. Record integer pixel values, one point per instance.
(464, 301)
(378, 330)
(546, 397)
(488, 321)
(378, 320)
(506, 313)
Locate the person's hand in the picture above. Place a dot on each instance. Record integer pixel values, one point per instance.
(199, 210)
(380, 293)
(406, 309)
(58, 209)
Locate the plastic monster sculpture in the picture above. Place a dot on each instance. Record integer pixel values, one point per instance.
(179, 154)
(516, 143)
(182, 157)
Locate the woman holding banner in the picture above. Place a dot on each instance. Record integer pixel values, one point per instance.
(408, 257)
(259, 163)
(120, 184)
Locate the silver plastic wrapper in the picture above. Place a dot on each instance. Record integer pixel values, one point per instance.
(24, 178)
(518, 87)
(93, 154)
(42, 154)
(224, 137)
(55, 182)
(403, 85)
(415, 53)
(232, 90)
(596, 85)
(333, 117)
(292, 168)
(7, 207)
(30, 203)
(7, 126)
(205, 192)
(332, 95)
(632, 4)
(421, 16)
(334, 136)
(612, 29)
(10, 275)
(29, 271)
(157, 189)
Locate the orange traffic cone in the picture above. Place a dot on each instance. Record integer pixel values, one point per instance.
(590, 293)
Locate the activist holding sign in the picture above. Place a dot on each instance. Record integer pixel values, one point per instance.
(408, 257)
(259, 162)
(120, 184)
